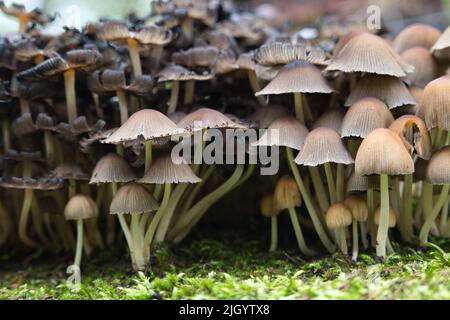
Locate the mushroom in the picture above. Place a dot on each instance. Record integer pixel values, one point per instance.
(79, 208)
(425, 66)
(382, 152)
(360, 212)
(287, 196)
(269, 209)
(135, 200)
(416, 35)
(392, 221)
(338, 217)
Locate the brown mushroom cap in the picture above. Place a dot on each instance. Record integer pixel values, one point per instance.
(434, 107)
(331, 118)
(297, 76)
(392, 217)
(358, 207)
(267, 206)
(421, 140)
(70, 171)
(263, 117)
(323, 145)
(391, 90)
(197, 57)
(132, 198)
(288, 132)
(383, 152)
(338, 216)
(80, 206)
(369, 53)
(416, 35)
(147, 124)
(425, 67)
(180, 73)
(286, 194)
(169, 169)
(206, 118)
(112, 168)
(364, 116)
(438, 169)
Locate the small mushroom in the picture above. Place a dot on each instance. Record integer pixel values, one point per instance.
(269, 209)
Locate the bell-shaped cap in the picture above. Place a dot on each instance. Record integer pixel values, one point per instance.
(438, 169)
(280, 53)
(286, 194)
(383, 152)
(392, 217)
(176, 72)
(132, 198)
(391, 90)
(206, 118)
(297, 76)
(69, 171)
(147, 124)
(331, 118)
(358, 207)
(79, 207)
(267, 206)
(323, 145)
(356, 182)
(425, 66)
(434, 107)
(364, 116)
(287, 132)
(416, 35)
(338, 216)
(169, 169)
(371, 54)
(112, 168)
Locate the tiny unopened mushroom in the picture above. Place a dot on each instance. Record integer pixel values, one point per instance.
(268, 209)
(338, 218)
(358, 208)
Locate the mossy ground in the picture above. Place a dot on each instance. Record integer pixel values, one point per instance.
(232, 267)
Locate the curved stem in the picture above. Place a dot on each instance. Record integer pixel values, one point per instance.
(25, 211)
(319, 188)
(309, 203)
(383, 225)
(71, 99)
(254, 84)
(192, 194)
(273, 233)
(123, 106)
(330, 182)
(355, 240)
(299, 234)
(189, 90)
(430, 211)
(340, 182)
(133, 49)
(299, 112)
(370, 209)
(406, 219)
(174, 92)
(79, 247)
(362, 226)
(444, 216)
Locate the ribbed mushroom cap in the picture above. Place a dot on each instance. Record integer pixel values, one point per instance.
(416, 35)
(112, 168)
(358, 207)
(392, 217)
(364, 116)
(117, 31)
(297, 76)
(425, 67)
(263, 117)
(132, 198)
(267, 206)
(391, 90)
(371, 54)
(180, 73)
(443, 43)
(206, 118)
(80, 206)
(331, 118)
(438, 169)
(68, 171)
(287, 132)
(338, 216)
(420, 140)
(286, 194)
(343, 40)
(434, 107)
(147, 124)
(196, 57)
(323, 145)
(169, 169)
(383, 152)
(280, 53)
(358, 182)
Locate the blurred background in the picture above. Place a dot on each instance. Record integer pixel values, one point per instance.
(395, 14)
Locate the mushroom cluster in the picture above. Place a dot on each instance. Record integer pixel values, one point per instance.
(90, 119)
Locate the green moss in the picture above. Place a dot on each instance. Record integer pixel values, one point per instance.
(235, 269)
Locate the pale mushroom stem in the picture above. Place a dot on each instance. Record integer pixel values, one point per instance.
(273, 233)
(24, 106)
(98, 109)
(138, 244)
(133, 49)
(193, 215)
(71, 99)
(407, 216)
(79, 246)
(340, 182)
(254, 84)
(309, 203)
(362, 226)
(6, 130)
(370, 209)
(23, 23)
(148, 154)
(444, 216)
(123, 106)
(299, 234)
(26, 205)
(188, 29)
(299, 112)
(174, 92)
(321, 195)
(355, 240)
(330, 182)
(430, 211)
(123, 223)
(341, 240)
(189, 90)
(150, 233)
(383, 226)
(192, 193)
(49, 147)
(72, 189)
